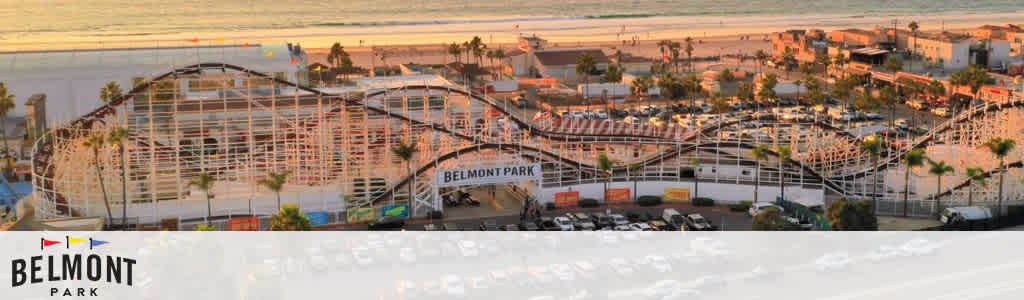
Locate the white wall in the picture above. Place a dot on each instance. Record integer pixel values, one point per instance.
(721, 192)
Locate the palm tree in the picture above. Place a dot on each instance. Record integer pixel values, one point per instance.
(767, 91)
(117, 136)
(1000, 147)
(110, 92)
(760, 56)
(204, 181)
(689, 52)
(641, 84)
(6, 106)
(939, 169)
(605, 164)
(275, 182)
(914, 158)
(888, 97)
(406, 151)
(455, 51)
(760, 153)
(95, 143)
(784, 153)
(499, 54)
(913, 26)
(633, 168)
(490, 60)
(788, 58)
(975, 176)
(873, 147)
(289, 218)
(585, 65)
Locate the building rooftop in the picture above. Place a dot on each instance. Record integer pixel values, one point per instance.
(561, 57)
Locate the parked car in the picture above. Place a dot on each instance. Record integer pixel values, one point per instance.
(640, 227)
(387, 223)
(548, 224)
(698, 222)
(756, 208)
(564, 224)
(942, 112)
(966, 215)
(618, 219)
(917, 104)
(659, 225)
(602, 220)
(673, 217)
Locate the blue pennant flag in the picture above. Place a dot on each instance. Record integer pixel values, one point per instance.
(94, 243)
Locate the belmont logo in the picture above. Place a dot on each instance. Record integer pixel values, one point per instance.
(72, 267)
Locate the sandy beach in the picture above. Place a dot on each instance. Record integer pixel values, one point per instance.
(424, 37)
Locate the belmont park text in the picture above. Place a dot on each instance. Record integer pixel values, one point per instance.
(469, 174)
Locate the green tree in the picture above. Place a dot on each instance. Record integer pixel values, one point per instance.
(843, 89)
(974, 176)
(893, 64)
(726, 75)
(785, 153)
(807, 69)
(888, 97)
(1000, 147)
(913, 26)
(788, 60)
(117, 137)
(769, 219)
(815, 90)
(204, 181)
(605, 164)
(640, 86)
(939, 169)
(760, 56)
(845, 215)
(406, 151)
(696, 179)
(760, 153)
(689, 52)
(914, 158)
(585, 65)
(289, 218)
(865, 102)
(767, 91)
(6, 106)
(275, 182)
(110, 92)
(745, 92)
(719, 104)
(613, 74)
(973, 76)
(455, 51)
(872, 145)
(95, 142)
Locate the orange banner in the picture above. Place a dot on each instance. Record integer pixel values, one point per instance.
(244, 224)
(616, 195)
(677, 194)
(567, 198)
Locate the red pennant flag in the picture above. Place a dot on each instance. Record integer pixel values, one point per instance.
(194, 40)
(295, 61)
(246, 45)
(47, 243)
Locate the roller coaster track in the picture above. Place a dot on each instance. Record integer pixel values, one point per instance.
(44, 146)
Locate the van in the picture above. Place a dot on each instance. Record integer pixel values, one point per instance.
(673, 217)
(966, 215)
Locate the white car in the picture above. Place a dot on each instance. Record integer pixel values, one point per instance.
(756, 208)
(602, 115)
(833, 261)
(618, 219)
(468, 248)
(453, 286)
(640, 227)
(564, 223)
(578, 115)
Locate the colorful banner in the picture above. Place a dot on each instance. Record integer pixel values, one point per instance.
(567, 198)
(359, 215)
(677, 194)
(244, 224)
(395, 210)
(620, 195)
(317, 218)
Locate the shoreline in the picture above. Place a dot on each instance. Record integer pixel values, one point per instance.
(570, 30)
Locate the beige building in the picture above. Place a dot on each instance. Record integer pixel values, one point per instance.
(806, 45)
(854, 37)
(951, 51)
(557, 63)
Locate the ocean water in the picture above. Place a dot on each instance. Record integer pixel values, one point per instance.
(27, 20)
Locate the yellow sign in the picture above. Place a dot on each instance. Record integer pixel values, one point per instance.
(360, 215)
(677, 194)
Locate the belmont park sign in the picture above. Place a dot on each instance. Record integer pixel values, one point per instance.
(488, 175)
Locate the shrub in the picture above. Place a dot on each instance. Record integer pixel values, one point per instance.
(703, 201)
(740, 207)
(589, 202)
(435, 214)
(648, 200)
